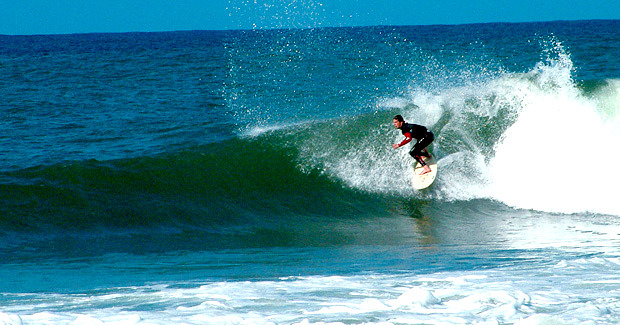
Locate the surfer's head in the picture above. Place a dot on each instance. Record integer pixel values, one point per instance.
(398, 121)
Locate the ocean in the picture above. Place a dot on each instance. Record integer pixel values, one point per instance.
(248, 177)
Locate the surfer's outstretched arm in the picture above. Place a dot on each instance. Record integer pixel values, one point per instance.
(408, 139)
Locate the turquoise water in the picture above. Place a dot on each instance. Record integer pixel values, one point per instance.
(247, 177)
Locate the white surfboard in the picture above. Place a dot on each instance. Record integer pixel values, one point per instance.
(423, 181)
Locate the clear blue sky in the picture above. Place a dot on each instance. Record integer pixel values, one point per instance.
(23, 17)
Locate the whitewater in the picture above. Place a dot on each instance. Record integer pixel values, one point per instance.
(551, 147)
(247, 177)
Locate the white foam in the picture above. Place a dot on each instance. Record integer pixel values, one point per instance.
(10, 319)
(86, 320)
(521, 294)
(560, 155)
(415, 296)
(539, 320)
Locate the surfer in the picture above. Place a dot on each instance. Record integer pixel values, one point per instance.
(423, 136)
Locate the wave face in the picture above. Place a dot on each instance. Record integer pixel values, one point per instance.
(289, 131)
(534, 140)
(212, 183)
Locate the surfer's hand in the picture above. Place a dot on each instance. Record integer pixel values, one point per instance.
(395, 146)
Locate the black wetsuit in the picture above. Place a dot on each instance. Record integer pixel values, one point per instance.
(422, 135)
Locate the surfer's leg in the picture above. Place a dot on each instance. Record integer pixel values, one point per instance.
(424, 143)
(419, 159)
(419, 150)
(425, 167)
(415, 153)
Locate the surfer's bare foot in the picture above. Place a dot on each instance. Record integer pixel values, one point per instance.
(425, 170)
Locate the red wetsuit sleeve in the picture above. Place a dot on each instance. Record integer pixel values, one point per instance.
(407, 139)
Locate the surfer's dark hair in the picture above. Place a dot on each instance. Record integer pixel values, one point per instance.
(399, 118)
